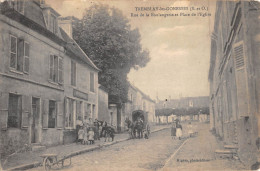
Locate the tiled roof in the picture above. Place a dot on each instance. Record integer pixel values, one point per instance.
(74, 50)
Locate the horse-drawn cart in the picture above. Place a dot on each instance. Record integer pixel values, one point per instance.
(139, 126)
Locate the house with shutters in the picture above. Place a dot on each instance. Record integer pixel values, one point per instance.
(46, 80)
(234, 77)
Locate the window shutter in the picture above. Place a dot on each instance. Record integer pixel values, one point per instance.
(56, 70)
(60, 70)
(60, 114)
(92, 82)
(4, 101)
(66, 107)
(20, 54)
(45, 113)
(239, 56)
(26, 110)
(13, 51)
(241, 81)
(26, 57)
(51, 67)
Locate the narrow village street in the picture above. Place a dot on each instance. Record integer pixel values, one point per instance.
(136, 154)
(159, 152)
(129, 85)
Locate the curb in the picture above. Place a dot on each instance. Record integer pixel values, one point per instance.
(37, 164)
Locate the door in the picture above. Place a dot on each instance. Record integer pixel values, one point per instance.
(35, 120)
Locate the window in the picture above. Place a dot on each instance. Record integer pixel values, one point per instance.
(53, 24)
(26, 57)
(18, 5)
(73, 73)
(69, 120)
(87, 110)
(56, 69)
(78, 109)
(52, 114)
(92, 84)
(14, 111)
(19, 54)
(13, 52)
(94, 112)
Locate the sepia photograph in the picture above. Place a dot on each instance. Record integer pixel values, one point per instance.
(129, 85)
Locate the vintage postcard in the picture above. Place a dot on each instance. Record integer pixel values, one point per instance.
(129, 85)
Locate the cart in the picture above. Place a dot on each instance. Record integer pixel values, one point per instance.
(50, 160)
(144, 117)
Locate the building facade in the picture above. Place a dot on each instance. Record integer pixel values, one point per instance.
(46, 80)
(185, 109)
(234, 76)
(137, 100)
(183, 102)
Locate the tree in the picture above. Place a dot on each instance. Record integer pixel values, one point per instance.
(106, 37)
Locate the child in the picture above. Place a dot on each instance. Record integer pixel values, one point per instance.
(80, 135)
(85, 137)
(91, 136)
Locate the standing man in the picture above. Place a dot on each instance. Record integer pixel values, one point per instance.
(173, 130)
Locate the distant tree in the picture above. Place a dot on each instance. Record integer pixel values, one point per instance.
(107, 38)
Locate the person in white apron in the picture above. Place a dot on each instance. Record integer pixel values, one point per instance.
(178, 130)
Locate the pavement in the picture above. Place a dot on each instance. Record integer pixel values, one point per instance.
(198, 153)
(27, 160)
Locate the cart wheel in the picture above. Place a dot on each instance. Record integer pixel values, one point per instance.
(47, 164)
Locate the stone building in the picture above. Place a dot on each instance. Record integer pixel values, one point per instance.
(183, 102)
(234, 76)
(137, 100)
(185, 109)
(46, 80)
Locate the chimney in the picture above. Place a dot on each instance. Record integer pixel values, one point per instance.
(66, 24)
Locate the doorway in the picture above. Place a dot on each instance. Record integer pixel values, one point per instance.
(35, 120)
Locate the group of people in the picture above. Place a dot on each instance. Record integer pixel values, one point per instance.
(176, 129)
(89, 131)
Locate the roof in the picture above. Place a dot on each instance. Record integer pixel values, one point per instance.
(144, 95)
(73, 49)
(29, 23)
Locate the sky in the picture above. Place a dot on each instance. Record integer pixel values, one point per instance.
(179, 45)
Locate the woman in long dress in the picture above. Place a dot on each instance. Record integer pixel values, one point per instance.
(173, 130)
(179, 131)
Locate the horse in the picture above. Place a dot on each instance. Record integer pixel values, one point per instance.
(109, 133)
(131, 128)
(138, 126)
